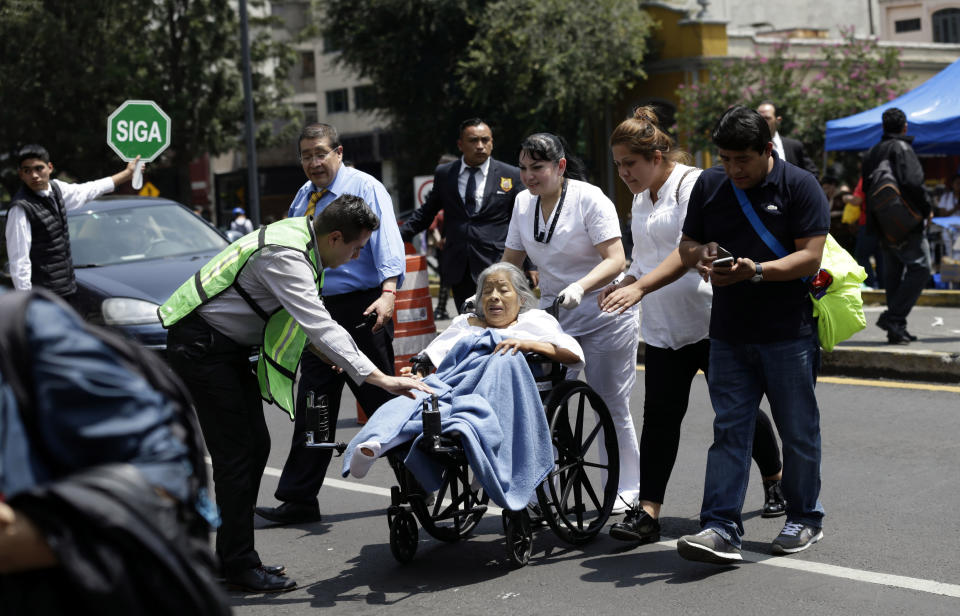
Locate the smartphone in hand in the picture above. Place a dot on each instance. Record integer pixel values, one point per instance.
(724, 259)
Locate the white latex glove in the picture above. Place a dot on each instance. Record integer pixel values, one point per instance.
(571, 296)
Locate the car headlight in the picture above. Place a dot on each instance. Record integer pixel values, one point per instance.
(126, 311)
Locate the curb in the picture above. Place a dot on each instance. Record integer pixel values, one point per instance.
(929, 297)
(900, 364)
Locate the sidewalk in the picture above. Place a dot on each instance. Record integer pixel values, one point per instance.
(935, 320)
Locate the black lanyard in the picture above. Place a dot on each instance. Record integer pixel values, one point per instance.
(537, 234)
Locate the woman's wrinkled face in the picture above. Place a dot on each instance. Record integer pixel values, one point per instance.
(500, 300)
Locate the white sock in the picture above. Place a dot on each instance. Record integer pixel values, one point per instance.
(364, 456)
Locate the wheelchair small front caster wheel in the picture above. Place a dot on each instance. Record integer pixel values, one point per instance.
(519, 537)
(404, 536)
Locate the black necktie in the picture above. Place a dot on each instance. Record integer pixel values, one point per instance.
(470, 198)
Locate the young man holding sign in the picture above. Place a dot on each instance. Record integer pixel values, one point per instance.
(38, 239)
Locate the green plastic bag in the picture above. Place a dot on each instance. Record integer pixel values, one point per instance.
(840, 311)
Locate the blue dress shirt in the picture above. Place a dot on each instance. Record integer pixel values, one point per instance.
(383, 257)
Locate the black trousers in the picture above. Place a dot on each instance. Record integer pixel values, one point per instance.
(668, 377)
(463, 290)
(304, 470)
(218, 373)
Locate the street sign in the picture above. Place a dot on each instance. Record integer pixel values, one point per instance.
(422, 185)
(149, 190)
(138, 128)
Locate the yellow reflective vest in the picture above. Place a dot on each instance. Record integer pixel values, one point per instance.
(283, 338)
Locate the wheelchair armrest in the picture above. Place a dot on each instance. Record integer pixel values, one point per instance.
(422, 364)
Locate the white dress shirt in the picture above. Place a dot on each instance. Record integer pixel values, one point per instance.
(679, 313)
(20, 236)
(778, 145)
(480, 179)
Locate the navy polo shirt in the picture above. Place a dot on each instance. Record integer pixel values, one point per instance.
(791, 205)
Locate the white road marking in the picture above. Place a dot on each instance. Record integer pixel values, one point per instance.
(847, 573)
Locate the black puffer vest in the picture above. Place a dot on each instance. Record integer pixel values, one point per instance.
(50, 259)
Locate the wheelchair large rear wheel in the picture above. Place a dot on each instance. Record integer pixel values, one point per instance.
(579, 493)
(457, 508)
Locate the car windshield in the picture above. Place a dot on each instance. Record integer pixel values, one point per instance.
(135, 234)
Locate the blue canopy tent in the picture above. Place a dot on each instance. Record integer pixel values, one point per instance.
(933, 118)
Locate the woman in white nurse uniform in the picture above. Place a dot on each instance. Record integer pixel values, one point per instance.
(571, 232)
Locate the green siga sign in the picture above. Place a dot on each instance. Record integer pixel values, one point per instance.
(138, 128)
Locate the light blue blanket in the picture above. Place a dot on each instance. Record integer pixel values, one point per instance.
(492, 401)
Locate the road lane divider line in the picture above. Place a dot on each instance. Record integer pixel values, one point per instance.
(784, 562)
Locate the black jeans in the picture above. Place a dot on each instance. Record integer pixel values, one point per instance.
(218, 373)
(906, 272)
(668, 377)
(304, 470)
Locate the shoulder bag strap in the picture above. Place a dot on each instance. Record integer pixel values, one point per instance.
(757, 225)
(676, 194)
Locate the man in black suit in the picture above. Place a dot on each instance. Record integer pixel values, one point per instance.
(476, 194)
(788, 149)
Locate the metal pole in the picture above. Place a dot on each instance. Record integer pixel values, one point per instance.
(250, 129)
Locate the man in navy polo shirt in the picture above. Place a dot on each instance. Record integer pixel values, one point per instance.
(763, 337)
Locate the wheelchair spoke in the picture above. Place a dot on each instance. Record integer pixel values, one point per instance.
(591, 493)
(578, 435)
(593, 435)
(604, 467)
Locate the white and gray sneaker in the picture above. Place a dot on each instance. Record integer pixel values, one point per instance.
(796, 537)
(708, 546)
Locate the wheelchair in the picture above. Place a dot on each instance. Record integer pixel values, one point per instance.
(575, 499)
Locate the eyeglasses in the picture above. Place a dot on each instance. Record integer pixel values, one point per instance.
(317, 155)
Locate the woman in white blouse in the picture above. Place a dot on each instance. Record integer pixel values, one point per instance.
(571, 232)
(675, 321)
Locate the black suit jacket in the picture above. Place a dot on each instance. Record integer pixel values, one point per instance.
(794, 153)
(473, 240)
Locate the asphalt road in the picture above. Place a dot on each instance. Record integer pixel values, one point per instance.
(891, 540)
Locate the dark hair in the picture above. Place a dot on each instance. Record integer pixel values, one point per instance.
(471, 122)
(32, 151)
(551, 148)
(741, 128)
(319, 130)
(642, 135)
(894, 120)
(348, 214)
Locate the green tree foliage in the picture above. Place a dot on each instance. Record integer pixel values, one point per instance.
(838, 80)
(522, 65)
(68, 64)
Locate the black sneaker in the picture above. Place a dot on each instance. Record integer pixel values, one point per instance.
(637, 525)
(774, 505)
(708, 546)
(796, 537)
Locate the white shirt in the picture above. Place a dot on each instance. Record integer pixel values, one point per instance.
(587, 218)
(276, 277)
(778, 145)
(948, 203)
(535, 325)
(480, 179)
(679, 313)
(20, 236)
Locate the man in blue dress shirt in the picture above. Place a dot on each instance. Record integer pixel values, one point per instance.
(351, 292)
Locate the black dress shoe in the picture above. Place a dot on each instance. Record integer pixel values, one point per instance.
(271, 569)
(898, 335)
(637, 525)
(290, 513)
(775, 505)
(258, 579)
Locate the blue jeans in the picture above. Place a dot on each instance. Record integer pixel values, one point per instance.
(740, 374)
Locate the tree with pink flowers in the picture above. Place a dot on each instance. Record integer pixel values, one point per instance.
(839, 79)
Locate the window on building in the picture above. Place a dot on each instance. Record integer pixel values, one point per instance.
(308, 64)
(337, 101)
(330, 45)
(309, 113)
(364, 98)
(907, 25)
(946, 26)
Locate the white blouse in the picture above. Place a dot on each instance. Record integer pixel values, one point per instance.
(534, 324)
(587, 218)
(679, 313)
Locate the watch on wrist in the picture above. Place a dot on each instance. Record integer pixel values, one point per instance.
(758, 273)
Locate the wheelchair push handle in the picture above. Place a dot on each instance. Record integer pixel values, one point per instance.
(317, 424)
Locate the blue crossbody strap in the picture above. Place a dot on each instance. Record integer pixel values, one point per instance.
(758, 226)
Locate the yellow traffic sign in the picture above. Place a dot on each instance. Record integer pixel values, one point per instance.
(149, 190)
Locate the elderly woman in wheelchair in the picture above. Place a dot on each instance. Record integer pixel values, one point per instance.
(502, 410)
